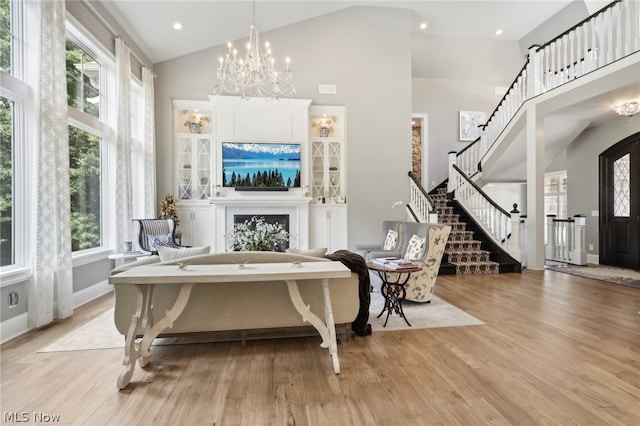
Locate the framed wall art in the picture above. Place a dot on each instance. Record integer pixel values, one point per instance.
(469, 122)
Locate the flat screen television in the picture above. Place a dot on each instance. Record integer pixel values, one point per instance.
(260, 166)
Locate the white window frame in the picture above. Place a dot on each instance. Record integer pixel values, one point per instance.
(15, 88)
(104, 127)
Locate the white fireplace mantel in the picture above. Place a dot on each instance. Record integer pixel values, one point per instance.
(225, 208)
(260, 200)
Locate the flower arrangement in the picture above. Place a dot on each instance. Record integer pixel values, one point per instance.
(168, 209)
(324, 125)
(195, 119)
(257, 235)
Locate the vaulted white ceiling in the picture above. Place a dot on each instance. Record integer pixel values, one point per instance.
(208, 23)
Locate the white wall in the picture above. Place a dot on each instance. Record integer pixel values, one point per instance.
(366, 52)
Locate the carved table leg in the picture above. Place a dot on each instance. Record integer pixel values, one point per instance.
(328, 313)
(131, 347)
(327, 331)
(165, 322)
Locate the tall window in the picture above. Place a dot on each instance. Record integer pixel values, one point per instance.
(6, 36)
(85, 180)
(86, 150)
(555, 194)
(6, 183)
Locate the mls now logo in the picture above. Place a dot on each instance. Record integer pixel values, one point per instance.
(25, 416)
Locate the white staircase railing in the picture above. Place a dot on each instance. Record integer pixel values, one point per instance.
(566, 240)
(420, 202)
(501, 226)
(601, 39)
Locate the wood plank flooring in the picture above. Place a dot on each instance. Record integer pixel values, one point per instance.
(556, 349)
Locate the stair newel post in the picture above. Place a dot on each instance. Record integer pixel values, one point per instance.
(535, 72)
(433, 215)
(453, 178)
(550, 251)
(579, 254)
(514, 250)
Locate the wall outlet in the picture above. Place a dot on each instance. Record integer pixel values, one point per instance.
(13, 299)
(590, 246)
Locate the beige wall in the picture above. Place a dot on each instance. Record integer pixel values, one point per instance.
(442, 100)
(372, 71)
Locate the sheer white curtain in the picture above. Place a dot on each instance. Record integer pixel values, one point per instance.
(149, 144)
(124, 186)
(51, 283)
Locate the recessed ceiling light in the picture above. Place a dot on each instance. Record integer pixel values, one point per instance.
(177, 26)
(499, 32)
(423, 26)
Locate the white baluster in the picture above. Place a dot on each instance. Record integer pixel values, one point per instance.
(571, 71)
(617, 11)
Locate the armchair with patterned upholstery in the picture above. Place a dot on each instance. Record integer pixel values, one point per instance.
(423, 243)
(153, 233)
(421, 284)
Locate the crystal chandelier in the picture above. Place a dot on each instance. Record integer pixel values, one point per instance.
(255, 75)
(627, 109)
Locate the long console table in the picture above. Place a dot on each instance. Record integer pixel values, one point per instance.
(146, 278)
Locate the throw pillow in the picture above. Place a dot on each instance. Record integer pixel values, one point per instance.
(415, 249)
(391, 241)
(169, 253)
(156, 241)
(317, 252)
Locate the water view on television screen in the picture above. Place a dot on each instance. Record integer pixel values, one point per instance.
(257, 165)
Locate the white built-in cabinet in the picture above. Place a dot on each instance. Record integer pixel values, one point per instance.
(328, 226)
(196, 224)
(328, 212)
(202, 202)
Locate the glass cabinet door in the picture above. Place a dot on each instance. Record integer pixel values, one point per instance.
(184, 154)
(193, 161)
(203, 172)
(334, 164)
(318, 170)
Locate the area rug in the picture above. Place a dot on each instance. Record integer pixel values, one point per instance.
(101, 333)
(609, 274)
(438, 313)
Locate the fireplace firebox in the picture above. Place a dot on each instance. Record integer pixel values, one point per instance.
(272, 219)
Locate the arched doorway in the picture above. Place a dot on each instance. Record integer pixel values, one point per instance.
(620, 204)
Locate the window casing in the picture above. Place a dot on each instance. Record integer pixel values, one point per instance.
(91, 98)
(16, 127)
(7, 36)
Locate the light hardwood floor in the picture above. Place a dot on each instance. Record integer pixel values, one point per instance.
(556, 350)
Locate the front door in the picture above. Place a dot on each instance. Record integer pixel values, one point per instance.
(620, 204)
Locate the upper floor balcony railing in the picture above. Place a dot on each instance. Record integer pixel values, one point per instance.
(603, 38)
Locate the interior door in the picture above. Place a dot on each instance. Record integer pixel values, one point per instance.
(620, 204)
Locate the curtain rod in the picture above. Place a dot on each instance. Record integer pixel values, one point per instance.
(113, 32)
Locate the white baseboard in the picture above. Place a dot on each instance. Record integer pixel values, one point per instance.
(13, 327)
(90, 293)
(593, 258)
